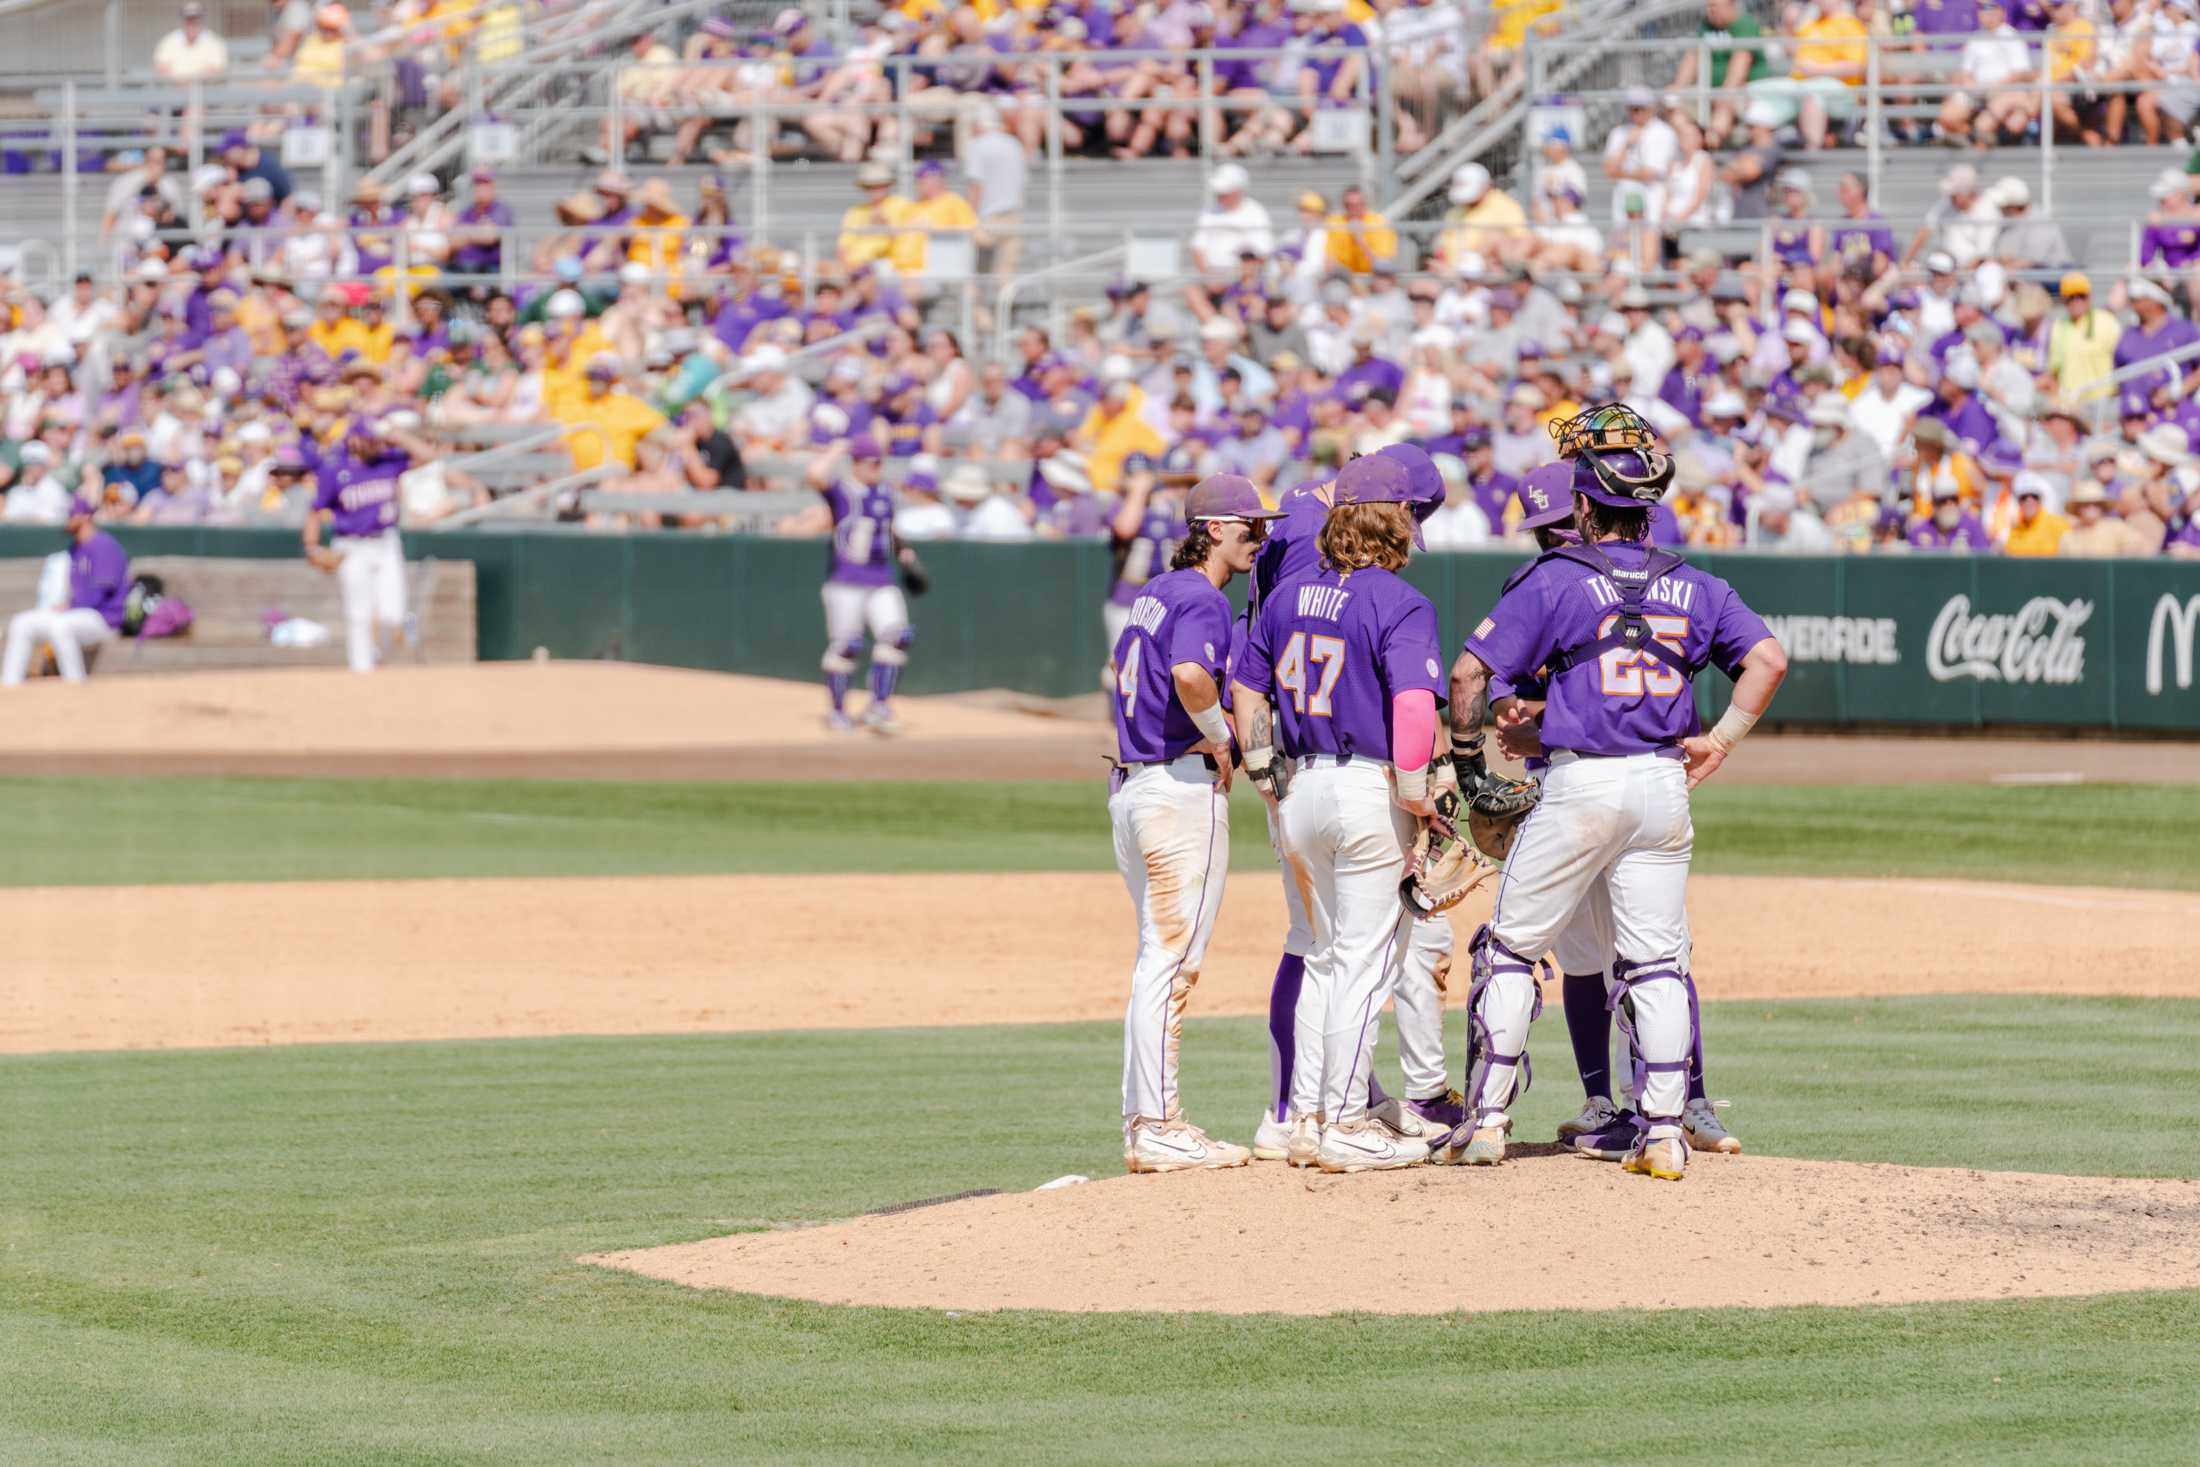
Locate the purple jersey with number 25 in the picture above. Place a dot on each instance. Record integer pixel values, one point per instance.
(863, 525)
(1179, 617)
(1331, 650)
(1621, 702)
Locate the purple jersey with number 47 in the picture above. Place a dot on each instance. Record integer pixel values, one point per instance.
(1179, 617)
(863, 534)
(1331, 650)
(1623, 702)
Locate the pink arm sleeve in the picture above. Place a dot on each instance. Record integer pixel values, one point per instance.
(1412, 728)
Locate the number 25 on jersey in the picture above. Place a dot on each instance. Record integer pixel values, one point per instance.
(1626, 673)
(1308, 669)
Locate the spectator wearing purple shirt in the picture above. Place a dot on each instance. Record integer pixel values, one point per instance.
(1950, 527)
(1368, 371)
(1685, 384)
(2158, 333)
(1958, 405)
(477, 241)
(99, 589)
(1863, 231)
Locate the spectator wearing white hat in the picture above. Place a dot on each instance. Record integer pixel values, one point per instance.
(2159, 332)
(2037, 530)
(1232, 222)
(1485, 225)
(1779, 520)
(776, 419)
(987, 513)
(1883, 410)
(2024, 241)
(1639, 157)
(1962, 222)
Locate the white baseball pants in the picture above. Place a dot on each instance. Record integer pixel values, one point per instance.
(68, 631)
(852, 610)
(1172, 844)
(1417, 1004)
(1341, 825)
(370, 577)
(1612, 836)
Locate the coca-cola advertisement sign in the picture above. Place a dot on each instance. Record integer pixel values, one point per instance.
(2042, 641)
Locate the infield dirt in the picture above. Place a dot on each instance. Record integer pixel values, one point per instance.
(1543, 1231)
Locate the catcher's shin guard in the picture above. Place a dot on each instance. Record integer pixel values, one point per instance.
(1651, 1003)
(840, 657)
(1502, 1004)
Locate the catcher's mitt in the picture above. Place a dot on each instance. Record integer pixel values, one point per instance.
(1495, 811)
(1444, 865)
(913, 576)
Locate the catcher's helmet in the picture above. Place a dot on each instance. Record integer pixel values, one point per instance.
(1616, 456)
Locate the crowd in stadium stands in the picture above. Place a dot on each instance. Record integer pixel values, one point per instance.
(1963, 388)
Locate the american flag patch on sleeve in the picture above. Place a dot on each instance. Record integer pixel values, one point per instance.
(1489, 624)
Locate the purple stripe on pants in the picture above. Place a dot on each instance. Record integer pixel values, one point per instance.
(1283, 1037)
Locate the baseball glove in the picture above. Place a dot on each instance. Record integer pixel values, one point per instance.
(1444, 866)
(1495, 811)
(914, 580)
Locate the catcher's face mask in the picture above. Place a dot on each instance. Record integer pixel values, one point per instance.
(1616, 456)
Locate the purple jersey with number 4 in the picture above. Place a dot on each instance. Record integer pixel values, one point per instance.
(1331, 650)
(863, 538)
(1622, 702)
(1178, 617)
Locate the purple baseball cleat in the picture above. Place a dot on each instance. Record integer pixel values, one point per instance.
(1613, 1141)
(1444, 1111)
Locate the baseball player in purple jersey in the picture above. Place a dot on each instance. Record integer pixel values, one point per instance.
(1583, 948)
(862, 590)
(357, 494)
(1430, 1107)
(1623, 629)
(1143, 537)
(99, 591)
(1349, 657)
(1170, 807)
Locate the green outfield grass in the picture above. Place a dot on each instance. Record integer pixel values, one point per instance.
(363, 1254)
(99, 831)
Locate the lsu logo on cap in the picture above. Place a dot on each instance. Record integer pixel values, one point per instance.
(1542, 500)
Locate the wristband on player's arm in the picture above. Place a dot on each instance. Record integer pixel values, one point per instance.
(1212, 726)
(1733, 726)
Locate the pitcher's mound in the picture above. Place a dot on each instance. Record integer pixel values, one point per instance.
(1546, 1231)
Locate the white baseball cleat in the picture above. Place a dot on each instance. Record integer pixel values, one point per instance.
(1665, 1158)
(1700, 1118)
(1177, 1146)
(839, 723)
(1272, 1138)
(1366, 1147)
(1595, 1116)
(1306, 1140)
(879, 719)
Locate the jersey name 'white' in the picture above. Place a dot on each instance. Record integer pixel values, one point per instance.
(1326, 602)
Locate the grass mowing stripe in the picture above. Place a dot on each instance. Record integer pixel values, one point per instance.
(106, 831)
(363, 1253)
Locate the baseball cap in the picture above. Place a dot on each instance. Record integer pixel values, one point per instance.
(2001, 458)
(1423, 478)
(2030, 485)
(2134, 405)
(1226, 497)
(864, 446)
(1374, 480)
(1228, 179)
(2075, 284)
(80, 508)
(565, 305)
(1546, 495)
(1641, 97)
(1940, 262)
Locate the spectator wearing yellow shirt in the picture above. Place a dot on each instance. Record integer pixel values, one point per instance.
(1359, 238)
(609, 425)
(2081, 345)
(659, 239)
(377, 337)
(333, 329)
(2037, 530)
(2072, 49)
(570, 342)
(867, 229)
(1496, 61)
(319, 59)
(1116, 428)
(1832, 57)
(935, 209)
(1485, 221)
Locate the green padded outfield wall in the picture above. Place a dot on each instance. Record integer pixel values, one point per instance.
(1894, 640)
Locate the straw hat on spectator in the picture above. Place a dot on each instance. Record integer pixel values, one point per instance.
(967, 484)
(2167, 445)
(1831, 410)
(874, 174)
(2088, 491)
(655, 197)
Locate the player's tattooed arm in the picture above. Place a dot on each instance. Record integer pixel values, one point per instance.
(1470, 708)
(1256, 731)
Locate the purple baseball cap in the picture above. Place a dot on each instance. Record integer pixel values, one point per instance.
(81, 508)
(1227, 497)
(929, 166)
(2135, 405)
(864, 446)
(1422, 475)
(2001, 458)
(1546, 495)
(1374, 480)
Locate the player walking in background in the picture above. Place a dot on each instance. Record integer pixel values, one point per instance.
(862, 590)
(356, 493)
(1349, 654)
(99, 590)
(1142, 538)
(1291, 554)
(1171, 810)
(1583, 948)
(1623, 629)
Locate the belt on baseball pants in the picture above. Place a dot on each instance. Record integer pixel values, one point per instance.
(1309, 761)
(1570, 756)
(1122, 771)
